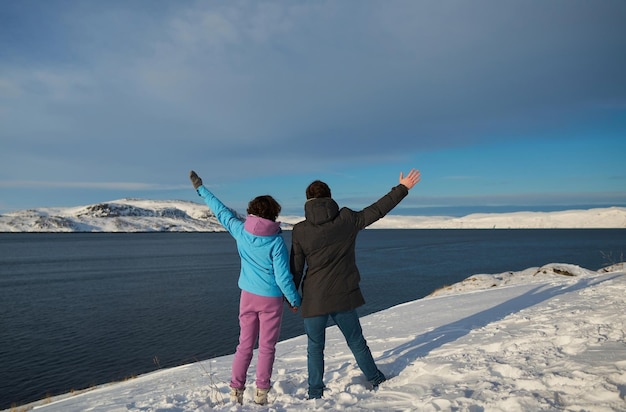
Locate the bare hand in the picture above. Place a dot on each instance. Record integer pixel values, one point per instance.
(411, 179)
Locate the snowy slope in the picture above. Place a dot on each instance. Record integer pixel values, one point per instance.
(544, 339)
(613, 217)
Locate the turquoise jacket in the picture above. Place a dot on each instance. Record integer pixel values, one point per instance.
(264, 255)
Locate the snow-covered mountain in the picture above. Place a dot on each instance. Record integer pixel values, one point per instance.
(141, 215)
(600, 218)
(125, 215)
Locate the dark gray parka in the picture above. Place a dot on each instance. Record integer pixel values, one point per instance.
(325, 243)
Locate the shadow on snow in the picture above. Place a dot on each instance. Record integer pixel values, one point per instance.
(403, 355)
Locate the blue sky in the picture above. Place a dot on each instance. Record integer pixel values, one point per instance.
(516, 105)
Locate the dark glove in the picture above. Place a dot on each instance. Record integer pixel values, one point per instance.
(195, 180)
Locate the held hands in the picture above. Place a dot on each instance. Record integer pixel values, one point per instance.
(195, 180)
(411, 179)
(294, 309)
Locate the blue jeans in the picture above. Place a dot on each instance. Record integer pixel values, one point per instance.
(348, 323)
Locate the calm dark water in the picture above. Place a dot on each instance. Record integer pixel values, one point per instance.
(83, 309)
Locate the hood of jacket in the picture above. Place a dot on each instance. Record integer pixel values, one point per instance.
(260, 226)
(320, 210)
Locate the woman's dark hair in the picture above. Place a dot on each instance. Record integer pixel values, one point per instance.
(264, 206)
(317, 189)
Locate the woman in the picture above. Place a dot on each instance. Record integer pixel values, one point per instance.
(264, 279)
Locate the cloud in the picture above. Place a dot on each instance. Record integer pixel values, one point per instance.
(519, 199)
(42, 184)
(264, 85)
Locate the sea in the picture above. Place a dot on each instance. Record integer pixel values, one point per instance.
(83, 309)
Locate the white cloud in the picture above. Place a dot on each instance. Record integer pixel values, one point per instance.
(277, 86)
(88, 185)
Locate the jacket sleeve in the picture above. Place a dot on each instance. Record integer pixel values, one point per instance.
(296, 259)
(381, 207)
(223, 214)
(284, 280)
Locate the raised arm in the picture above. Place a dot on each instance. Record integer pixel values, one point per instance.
(223, 214)
(384, 205)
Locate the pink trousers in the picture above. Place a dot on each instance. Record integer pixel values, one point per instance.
(259, 317)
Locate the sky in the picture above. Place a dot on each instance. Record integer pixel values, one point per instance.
(502, 106)
(543, 339)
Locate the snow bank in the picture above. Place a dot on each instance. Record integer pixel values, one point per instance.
(548, 338)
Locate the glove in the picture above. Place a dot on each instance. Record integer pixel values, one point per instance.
(195, 180)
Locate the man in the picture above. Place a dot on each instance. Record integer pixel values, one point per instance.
(325, 243)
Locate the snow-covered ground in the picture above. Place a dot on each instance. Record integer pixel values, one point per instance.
(141, 215)
(543, 339)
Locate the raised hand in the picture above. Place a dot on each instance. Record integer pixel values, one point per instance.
(411, 179)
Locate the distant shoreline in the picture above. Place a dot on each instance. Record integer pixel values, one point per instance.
(141, 215)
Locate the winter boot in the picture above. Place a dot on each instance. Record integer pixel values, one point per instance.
(260, 398)
(236, 395)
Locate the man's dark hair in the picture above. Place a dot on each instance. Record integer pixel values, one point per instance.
(317, 189)
(264, 206)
